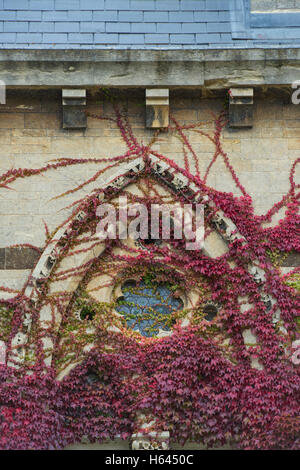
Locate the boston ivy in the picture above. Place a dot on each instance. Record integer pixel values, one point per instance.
(198, 383)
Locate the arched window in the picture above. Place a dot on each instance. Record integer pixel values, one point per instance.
(148, 307)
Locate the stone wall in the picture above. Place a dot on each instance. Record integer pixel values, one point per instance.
(271, 5)
(31, 135)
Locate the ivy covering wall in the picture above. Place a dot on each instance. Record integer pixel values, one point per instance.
(198, 382)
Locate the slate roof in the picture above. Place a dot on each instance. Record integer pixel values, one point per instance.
(142, 24)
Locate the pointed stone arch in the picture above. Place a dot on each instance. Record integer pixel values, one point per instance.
(225, 232)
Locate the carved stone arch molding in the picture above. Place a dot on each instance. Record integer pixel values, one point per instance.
(216, 243)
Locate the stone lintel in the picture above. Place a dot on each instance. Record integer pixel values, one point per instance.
(213, 69)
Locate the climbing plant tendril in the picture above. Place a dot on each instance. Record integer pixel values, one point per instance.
(197, 379)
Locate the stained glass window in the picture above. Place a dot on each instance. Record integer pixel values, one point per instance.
(148, 308)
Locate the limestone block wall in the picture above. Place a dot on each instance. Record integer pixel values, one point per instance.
(31, 135)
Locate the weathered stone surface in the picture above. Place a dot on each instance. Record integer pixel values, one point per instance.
(74, 102)
(262, 162)
(9, 120)
(157, 108)
(14, 279)
(241, 107)
(2, 258)
(2, 352)
(157, 116)
(271, 5)
(74, 117)
(73, 94)
(20, 258)
(293, 260)
(40, 121)
(190, 68)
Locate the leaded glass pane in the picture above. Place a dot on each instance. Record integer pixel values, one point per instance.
(148, 308)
